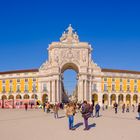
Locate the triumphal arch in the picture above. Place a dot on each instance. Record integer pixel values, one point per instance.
(70, 53)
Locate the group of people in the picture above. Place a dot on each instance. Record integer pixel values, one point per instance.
(126, 108)
(86, 110)
(71, 109)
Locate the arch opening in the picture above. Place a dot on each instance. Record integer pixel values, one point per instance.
(69, 82)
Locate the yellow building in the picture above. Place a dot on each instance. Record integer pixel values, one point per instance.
(105, 86)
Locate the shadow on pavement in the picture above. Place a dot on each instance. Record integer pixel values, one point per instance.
(61, 117)
(92, 125)
(78, 125)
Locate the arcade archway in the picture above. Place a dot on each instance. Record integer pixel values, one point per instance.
(44, 98)
(105, 99)
(26, 96)
(135, 99)
(95, 98)
(113, 99)
(128, 99)
(18, 96)
(120, 99)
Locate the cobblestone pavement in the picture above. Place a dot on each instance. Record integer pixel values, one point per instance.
(37, 125)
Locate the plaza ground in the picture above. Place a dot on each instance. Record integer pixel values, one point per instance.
(37, 125)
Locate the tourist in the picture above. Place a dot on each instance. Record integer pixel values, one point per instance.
(97, 109)
(70, 112)
(139, 111)
(103, 107)
(116, 107)
(123, 108)
(86, 114)
(127, 108)
(26, 106)
(47, 107)
(92, 108)
(44, 106)
(55, 110)
(133, 108)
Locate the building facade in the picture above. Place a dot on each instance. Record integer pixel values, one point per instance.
(105, 86)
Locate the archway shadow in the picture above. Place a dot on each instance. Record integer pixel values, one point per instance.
(78, 125)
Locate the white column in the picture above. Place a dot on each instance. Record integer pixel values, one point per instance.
(109, 100)
(124, 98)
(116, 98)
(60, 91)
(100, 94)
(85, 90)
(39, 91)
(80, 91)
(58, 97)
(53, 91)
(90, 94)
(48, 91)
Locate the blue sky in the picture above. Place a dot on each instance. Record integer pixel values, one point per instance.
(111, 26)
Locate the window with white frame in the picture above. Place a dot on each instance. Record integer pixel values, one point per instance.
(121, 88)
(105, 87)
(26, 88)
(34, 87)
(44, 87)
(18, 88)
(3, 89)
(94, 87)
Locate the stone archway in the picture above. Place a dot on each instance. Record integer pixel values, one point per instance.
(128, 99)
(69, 53)
(4, 97)
(112, 99)
(26, 96)
(44, 98)
(135, 99)
(34, 96)
(65, 96)
(120, 99)
(18, 96)
(95, 98)
(11, 97)
(105, 99)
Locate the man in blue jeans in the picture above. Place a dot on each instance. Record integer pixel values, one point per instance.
(71, 120)
(97, 109)
(70, 111)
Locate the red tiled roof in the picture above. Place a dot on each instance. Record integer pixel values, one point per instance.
(19, 71)
(120, 71)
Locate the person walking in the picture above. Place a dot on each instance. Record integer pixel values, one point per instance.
(116, 107)
(97, 109)
(86, 114)
(47, 107)
(44, 106)
(26, 106)
(70, 111)
(139, 111)
(92, 108)
(127, 108)
(55, 110)
(133, 108)
(123, 108)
